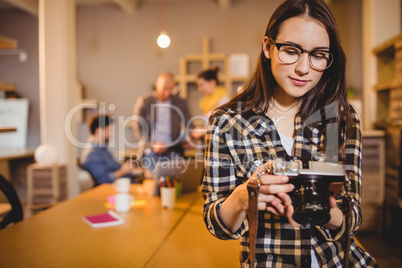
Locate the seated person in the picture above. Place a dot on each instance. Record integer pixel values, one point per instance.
(97, 159)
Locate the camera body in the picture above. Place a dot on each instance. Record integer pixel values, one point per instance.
(314, 183)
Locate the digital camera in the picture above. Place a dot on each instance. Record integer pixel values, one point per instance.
(314, 183)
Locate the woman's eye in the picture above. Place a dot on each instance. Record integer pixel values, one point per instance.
(319, 55)
(291, 51)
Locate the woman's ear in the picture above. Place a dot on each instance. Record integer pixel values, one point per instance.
(266, 47)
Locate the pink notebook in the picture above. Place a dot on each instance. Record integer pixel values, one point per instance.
(109, 218)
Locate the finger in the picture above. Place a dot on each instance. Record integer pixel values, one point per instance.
(278, 206)
(267, 198)
(272, 210)
(276, 188)
(286, 199)
(262, 206)
(265, 206)
(288, 209)
(332, 201)
(289, 214)
(273, 179)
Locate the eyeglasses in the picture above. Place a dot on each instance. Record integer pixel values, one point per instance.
(289, 54)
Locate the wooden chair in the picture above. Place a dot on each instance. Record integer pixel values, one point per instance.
(16, 213)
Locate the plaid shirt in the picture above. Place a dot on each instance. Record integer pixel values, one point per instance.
(236, 145)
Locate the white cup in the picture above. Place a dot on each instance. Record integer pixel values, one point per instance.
(122, 202)
(168, 196)
(122, 185)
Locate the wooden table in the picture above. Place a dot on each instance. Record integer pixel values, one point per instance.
(191, 245)
(151, 236)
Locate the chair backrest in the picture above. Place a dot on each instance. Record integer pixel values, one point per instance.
(16, 214)
(81, 166)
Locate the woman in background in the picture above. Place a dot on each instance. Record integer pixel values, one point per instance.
(214, 94)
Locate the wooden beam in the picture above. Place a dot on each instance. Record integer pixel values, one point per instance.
(128, 6)
(29, 6)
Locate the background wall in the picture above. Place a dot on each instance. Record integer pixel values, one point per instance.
(25, 75)
(118, 59)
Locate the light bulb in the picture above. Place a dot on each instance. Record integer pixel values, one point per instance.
(163, 40)
(23, 56)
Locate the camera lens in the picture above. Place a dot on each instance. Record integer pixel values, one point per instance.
(311, 202)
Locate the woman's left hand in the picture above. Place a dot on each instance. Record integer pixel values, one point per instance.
(336, 215)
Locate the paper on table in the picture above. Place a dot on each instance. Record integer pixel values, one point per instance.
(109, 218)
(136, 203)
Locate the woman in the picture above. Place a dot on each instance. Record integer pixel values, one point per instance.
(214, 95)
(294, 105)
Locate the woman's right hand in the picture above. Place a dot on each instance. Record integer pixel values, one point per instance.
(273, 195)
(270, 187)
(280, 202)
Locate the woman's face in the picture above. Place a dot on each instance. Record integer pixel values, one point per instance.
(206, 87)
(298, 78)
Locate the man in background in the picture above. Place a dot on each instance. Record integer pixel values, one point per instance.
(98, 160)
(166, 116)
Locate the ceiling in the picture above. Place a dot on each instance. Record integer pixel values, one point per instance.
(127, 6)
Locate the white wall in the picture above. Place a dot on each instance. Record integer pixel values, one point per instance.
(387, 20)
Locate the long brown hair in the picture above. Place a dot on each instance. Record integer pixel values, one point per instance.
(330, 90)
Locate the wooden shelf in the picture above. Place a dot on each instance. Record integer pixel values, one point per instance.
(6, 42)
(5, 86)
(7, 129)
(388, 85)
(389, 76)
(387, 46)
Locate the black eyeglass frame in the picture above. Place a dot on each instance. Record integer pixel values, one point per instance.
(279, 45)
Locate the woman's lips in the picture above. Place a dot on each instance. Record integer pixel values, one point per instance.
(299, 82)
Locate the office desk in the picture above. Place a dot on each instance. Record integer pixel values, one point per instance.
(10, 154)
(150, 237)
